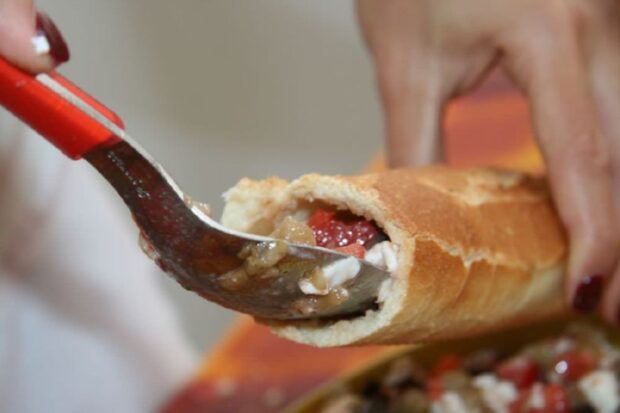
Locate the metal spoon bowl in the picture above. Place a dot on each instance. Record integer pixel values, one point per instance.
(202, 255)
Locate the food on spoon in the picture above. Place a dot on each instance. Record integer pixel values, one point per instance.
(529, 380)
(341, 231)
(468, 250)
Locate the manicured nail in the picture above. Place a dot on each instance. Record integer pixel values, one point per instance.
(48, 39)
(588, 294)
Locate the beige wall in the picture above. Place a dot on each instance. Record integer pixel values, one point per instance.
(217, 90)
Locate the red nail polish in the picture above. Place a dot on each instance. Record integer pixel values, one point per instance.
(588, 294)
(58, 47)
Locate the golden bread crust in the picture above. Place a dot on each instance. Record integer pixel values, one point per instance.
(479, 250)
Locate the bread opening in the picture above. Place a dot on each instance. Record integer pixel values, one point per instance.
(316, 223)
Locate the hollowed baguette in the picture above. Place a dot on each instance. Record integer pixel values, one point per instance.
(478, 249)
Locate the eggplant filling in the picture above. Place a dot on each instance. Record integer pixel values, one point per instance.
(576, 372)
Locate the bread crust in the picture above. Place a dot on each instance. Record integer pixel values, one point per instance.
(478, 250)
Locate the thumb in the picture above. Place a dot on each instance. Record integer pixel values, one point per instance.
(30, 39)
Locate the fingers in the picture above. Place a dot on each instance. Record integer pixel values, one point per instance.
(603, 42)
(28, 39)
(550, 70)
(611, 302)
(413, 107)
(408, 77)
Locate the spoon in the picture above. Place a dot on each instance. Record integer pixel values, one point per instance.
(201, 254)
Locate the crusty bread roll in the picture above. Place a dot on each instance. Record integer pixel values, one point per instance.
(478, 249)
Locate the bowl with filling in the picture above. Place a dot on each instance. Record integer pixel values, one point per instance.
(567, 367)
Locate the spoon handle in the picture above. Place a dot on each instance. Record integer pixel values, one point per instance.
(62, 113)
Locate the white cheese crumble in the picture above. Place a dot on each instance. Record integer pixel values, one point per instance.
(307, 287)
(41, 45)
(601, 389)
(449, 402)
(383, 255)
(497, 394)
(335, 273)
(341, 271)
(537, 398)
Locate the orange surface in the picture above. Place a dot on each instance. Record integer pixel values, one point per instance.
(253, 371)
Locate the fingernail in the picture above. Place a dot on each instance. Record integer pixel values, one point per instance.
(588, 294)
(48, 39)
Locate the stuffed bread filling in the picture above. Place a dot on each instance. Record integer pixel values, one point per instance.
(323, 225)
(341, 231)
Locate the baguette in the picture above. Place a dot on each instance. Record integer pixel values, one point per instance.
(478, 250)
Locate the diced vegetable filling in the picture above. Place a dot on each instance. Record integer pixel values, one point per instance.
(577, 372)
(341, 231)
(344, 232)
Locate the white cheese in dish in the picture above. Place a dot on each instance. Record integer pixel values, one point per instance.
(497, 394)
(449, 402)
(537, 398)
(601, 389)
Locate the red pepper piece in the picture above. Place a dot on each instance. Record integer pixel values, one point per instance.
(434, 388)
(521, 371)
(573, 365)
(333, 229)
(556, 399)
(434, 383)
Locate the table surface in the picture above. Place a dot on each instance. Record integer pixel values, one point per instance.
(251, 370)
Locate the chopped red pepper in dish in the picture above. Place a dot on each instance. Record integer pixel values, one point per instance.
(553, 399)
(573, 365)
(446, 363)
(520, 371)
(578, 372)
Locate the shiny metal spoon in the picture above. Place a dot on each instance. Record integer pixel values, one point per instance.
(186, 243)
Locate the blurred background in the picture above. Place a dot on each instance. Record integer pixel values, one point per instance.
(218, 90)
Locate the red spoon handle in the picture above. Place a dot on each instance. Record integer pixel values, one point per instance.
(61, 122)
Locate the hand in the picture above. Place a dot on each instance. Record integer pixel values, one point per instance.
(29, 39)
(565, 56)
